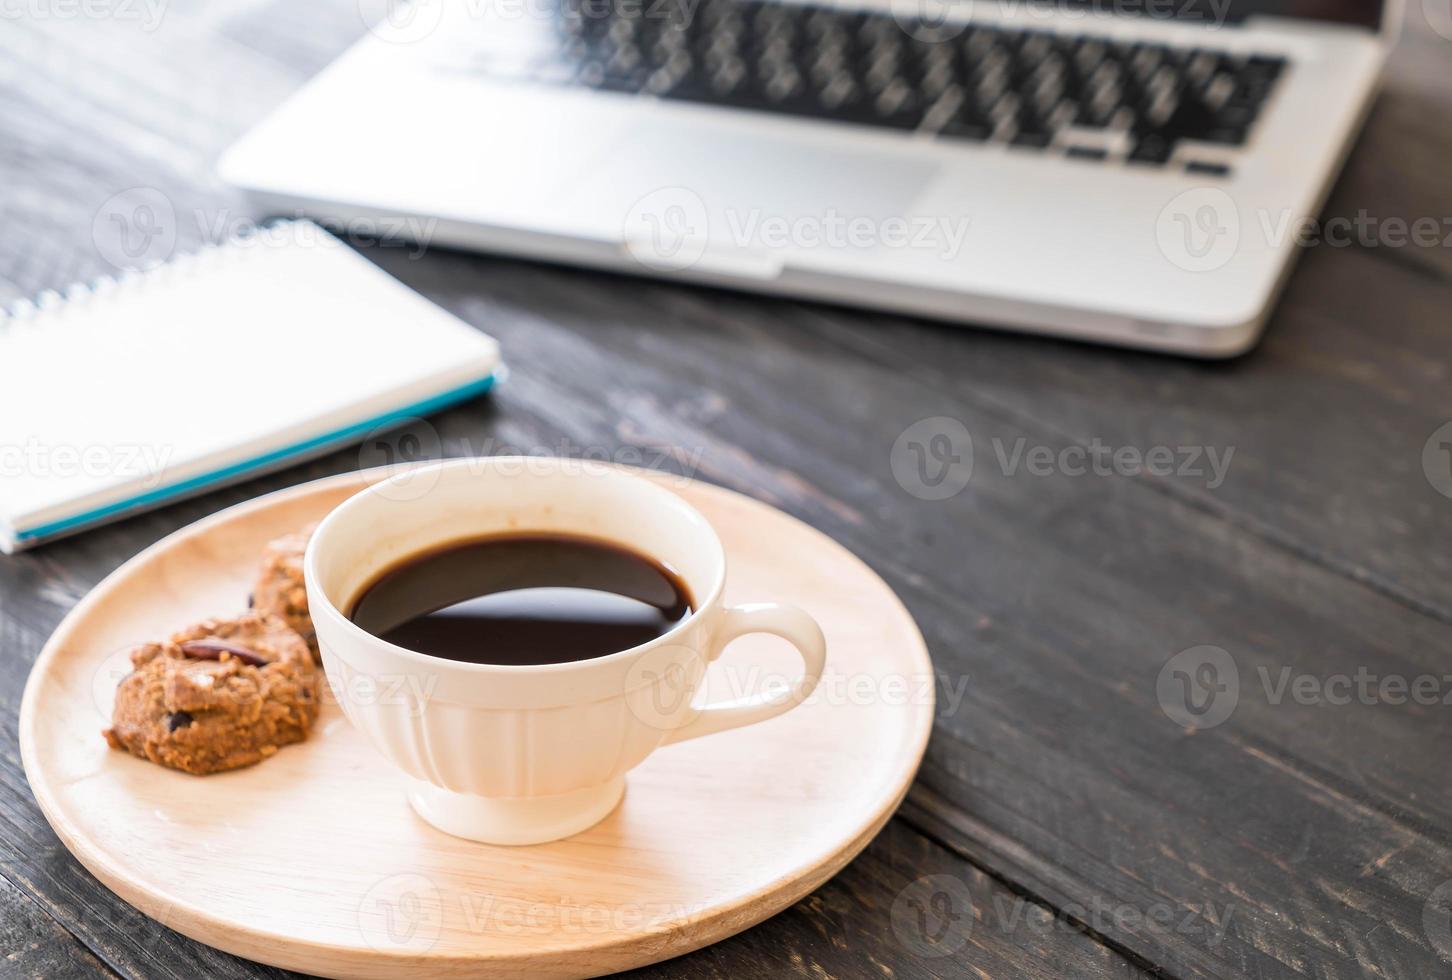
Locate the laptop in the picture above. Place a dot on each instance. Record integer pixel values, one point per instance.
(1124, 171)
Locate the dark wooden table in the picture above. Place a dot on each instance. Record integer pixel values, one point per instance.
(1098, 827)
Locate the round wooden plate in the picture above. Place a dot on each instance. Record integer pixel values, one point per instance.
(314, 861)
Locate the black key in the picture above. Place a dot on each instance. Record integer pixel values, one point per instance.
(1151, 148)
(1236, 116)
(1095, 115)
(1207, 169)
(1269, 67)
(1086, 153)
(1032, 138)
(864, 68)
(898, 106)
(1233, 135)
(968, 124)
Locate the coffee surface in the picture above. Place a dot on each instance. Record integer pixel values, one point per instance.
(523, 599)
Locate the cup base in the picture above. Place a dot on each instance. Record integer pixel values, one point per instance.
(527, 820)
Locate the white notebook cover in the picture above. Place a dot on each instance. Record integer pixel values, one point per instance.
(212, 368)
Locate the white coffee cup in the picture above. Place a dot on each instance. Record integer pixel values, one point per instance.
(526, 754)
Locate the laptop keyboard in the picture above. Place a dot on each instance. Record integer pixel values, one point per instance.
(1090, 97)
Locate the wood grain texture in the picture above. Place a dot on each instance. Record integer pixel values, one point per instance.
(35, 945)
(713, 835)
(1050, 604)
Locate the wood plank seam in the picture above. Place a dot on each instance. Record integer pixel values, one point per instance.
(1398, 257)
(29, 895)
(1126, 953)
(1200, 501)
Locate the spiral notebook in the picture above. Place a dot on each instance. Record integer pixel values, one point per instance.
(241, 358)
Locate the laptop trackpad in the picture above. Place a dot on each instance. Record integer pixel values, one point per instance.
(757, 194)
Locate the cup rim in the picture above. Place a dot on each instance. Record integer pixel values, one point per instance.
(613, 470)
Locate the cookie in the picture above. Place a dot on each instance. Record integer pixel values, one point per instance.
(222, 694)
(280, 591)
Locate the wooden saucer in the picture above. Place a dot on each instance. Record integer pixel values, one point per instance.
(314, 861)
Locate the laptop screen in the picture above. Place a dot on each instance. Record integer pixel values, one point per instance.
(1363, 12)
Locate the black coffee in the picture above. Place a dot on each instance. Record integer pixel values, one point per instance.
(523, 599)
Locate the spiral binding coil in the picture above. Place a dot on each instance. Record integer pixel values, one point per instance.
(50, 303)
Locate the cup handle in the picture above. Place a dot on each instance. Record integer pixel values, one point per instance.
(778, 619)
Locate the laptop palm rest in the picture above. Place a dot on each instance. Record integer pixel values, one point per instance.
(680, 195)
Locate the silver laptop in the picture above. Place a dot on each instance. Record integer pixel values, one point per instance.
(1126, 171)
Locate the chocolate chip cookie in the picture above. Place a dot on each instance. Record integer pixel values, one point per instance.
(280, 590)
(219, 695)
